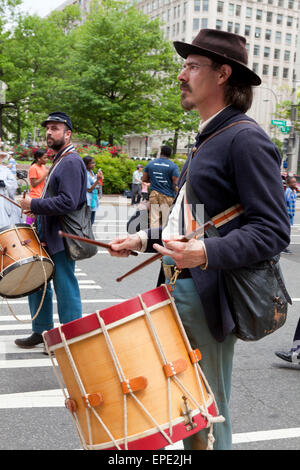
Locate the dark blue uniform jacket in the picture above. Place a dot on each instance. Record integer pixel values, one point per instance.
(241, 165)
(68, 193)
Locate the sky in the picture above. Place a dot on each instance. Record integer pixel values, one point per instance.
(40, 7)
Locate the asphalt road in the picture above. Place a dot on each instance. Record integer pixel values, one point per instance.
(264, 404)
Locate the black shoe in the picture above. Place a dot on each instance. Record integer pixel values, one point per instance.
(30, 342)
(289, 356)
(287, 251)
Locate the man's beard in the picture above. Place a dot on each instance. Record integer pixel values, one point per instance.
(185, 103)
(56, 144)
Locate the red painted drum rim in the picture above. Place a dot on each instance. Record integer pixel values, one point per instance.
(157, 441)
(110, 315)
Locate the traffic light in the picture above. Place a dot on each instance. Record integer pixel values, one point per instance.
(285, 145)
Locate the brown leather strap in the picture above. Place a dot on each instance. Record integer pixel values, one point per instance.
(196, 149)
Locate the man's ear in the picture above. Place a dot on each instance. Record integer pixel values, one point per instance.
(224, 73)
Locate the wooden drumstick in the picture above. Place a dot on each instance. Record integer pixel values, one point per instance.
(157, 256)
(11, 200)
(91, 242)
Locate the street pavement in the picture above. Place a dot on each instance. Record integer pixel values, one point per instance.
(265, 401)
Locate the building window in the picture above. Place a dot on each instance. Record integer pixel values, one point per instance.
(237, 28)
(279, 19)
(269, 16)
(256, 50)
(196, 24)
(248, 12)
(255, 67)
(220, 7)
(265, 69)
(257, 32)
(275, 71)
(183, 26)
(289, 21)
(238, 10)
(285, 73)
(219, 24)
(231, 9)
(196, 5)
(184, 8)
(258, 14)
(230, 26)
(291, 4)
(288, 39)
(205, 5)
(266, 52)
(287, 55)
(268, 34)
(247, 30)
(278, 37)
(276, 53)
(280, 3)
(204, 23)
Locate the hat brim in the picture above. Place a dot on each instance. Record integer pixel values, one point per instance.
(63, 121)
(247, 75)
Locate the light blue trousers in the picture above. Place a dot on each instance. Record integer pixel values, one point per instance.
(216, 362)
(67, 294)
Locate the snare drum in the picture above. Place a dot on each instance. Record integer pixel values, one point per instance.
(25, 265)
(130, 377)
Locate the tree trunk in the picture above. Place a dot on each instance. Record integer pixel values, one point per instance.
(175, 141)
(111, 140)
(1, 120)
(18, 137)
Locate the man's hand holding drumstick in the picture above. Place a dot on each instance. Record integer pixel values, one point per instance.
(186, 254)
(25, 203)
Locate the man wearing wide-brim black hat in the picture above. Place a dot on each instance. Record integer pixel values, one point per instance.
(64, 192)
(237, 168)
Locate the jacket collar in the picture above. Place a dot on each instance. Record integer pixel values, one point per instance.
(227, 115)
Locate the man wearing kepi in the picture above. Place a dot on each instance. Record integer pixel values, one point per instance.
(239, 165)
(64, 191)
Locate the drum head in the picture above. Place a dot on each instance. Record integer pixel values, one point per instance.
(25, 277)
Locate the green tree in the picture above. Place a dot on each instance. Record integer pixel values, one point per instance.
(33, 67)
(117, 65)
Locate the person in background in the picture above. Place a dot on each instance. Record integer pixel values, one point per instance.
(12, 164)
(9, 213)
(145, 194)
(100, 183)
(293, 355)
(37, 175)
(290, 199)
(64, 192)
(92, 184)
(163, 175)
(136, 187)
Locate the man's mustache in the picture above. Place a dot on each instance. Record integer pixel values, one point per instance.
(185, 86)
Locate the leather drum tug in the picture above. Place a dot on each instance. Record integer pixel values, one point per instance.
(25, 266)
(130, 377)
